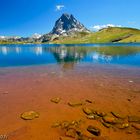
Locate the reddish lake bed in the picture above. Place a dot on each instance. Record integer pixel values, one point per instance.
(111, 88)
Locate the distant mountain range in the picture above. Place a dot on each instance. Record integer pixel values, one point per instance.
(69, 30)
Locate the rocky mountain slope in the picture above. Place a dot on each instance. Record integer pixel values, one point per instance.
(67, 24)
(69, 30)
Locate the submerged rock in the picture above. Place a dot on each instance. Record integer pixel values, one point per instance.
(30, 115)
(75, 104)
(5, 92)
(109, 119)
(101, 114)
(56, 124)
(94, 130)
(107, 125)
(122, 126)
(136, 126)
(117, 115)
(71, 133)
(87, 111)
(134, 119)
(89, 101)
(93, 117)
(56, 100)
(65, 124)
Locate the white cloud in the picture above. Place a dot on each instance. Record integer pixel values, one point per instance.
(59, 7)
(98, 27)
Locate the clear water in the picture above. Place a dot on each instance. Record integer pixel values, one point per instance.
(26, 55)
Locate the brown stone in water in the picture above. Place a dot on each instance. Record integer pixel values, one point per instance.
(136, 126)
(65, 124)
(88, 101)
(56, 100)
(109, 119)
(94, 130)
(87, 111)
(30, 115)
(56, 124)
(117, 115)
(101, 114)
(6, 92)
(122, 126)
(71, 133)
(75, 104)
(134, 119)
(92, 117)
(107, 125)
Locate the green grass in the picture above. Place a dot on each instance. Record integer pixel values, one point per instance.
(104, 36)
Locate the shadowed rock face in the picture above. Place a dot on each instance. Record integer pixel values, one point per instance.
(67, 23)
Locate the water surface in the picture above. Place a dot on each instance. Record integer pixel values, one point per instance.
(114, 53)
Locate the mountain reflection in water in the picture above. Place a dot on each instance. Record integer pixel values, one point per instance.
(18, 55)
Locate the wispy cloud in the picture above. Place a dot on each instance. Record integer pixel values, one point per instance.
(98, 27)
(59, 7)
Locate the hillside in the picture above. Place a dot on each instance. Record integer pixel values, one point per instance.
(111, 34)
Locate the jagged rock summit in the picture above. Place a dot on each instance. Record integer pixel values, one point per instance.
(67, 24)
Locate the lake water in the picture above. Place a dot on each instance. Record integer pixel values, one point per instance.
(107, 75)
(26, 55)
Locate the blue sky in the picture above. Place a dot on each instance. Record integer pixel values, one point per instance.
(26, 17)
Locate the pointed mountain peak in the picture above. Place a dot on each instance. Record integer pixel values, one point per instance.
(67, 24)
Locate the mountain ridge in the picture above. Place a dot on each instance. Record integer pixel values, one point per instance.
(68, 30)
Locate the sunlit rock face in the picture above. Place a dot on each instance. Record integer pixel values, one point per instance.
(67, 24)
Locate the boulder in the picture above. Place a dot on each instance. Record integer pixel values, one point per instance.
(109, 119)
(30, 115)
(75, 104)
(87, 111)
(136, 126)
(56, 100)
(94, 130)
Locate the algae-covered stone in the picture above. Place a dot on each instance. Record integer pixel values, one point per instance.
(30, 115)
(87, 111)
(117, 115)
(94, 130)
(56, 100)
(75, 104)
